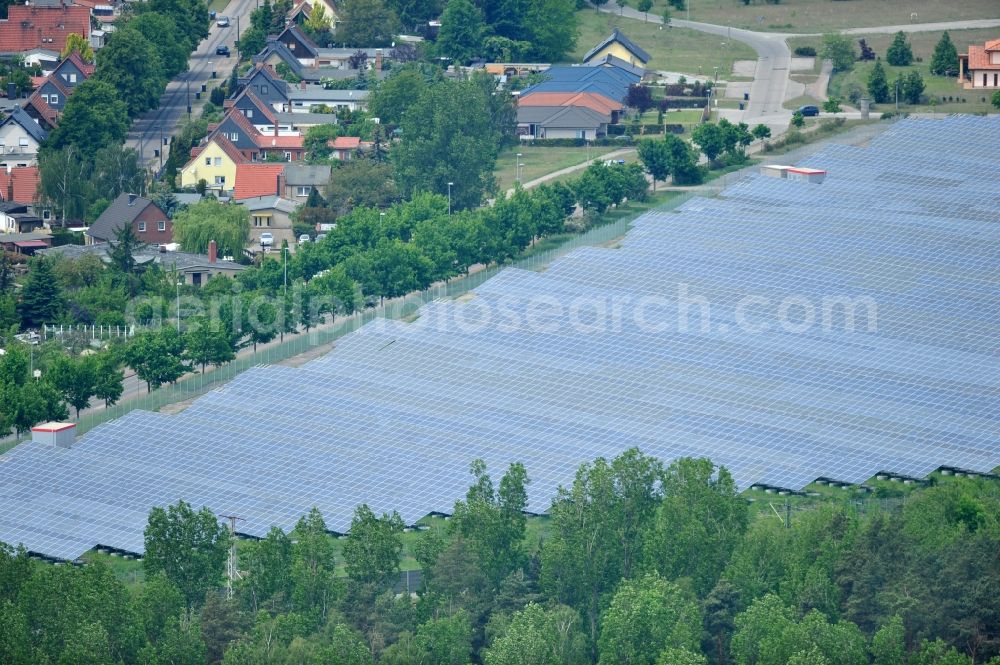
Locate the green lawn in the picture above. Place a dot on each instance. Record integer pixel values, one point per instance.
(539, 161)
(806, 16)
(671, 49)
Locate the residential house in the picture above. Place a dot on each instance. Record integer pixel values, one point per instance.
(266, 85)
(215, 163)
(45, 58)
(72, 71)
(29, 27)
(611, 81)
(980, 67)
(515, 68)
(53, 93)
(20, 137)
(619, 46)
(254, 180)
(590, 100)
(560, 122)
(193, 269)
(299, 44)
(345, 147)
(611, 62)
(305, 98)
(39, 111)
(19, 187)
(302, 10)
(15, 218)
(340, 58)
(271, 214)
(301, 179)
(149, 223)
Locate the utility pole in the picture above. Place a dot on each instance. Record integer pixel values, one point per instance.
(232, 573)
(788, 514)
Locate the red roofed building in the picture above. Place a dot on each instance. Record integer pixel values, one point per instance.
(980, 67)
(19, 184)
(258, 180)
(345, 147)
(42, 27)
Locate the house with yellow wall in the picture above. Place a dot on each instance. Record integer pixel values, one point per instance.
(215, 163)
(619, 46)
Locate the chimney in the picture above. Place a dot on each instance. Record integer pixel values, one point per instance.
(302, 85)
(213, 251)
(378, 59)
(131, 199)
(277, 185)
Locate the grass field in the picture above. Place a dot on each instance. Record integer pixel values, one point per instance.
(807, 16)
(671, 49)
(539, 161)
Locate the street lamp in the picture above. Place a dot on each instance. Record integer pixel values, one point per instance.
(179, 282)
(517, 168)
(897, 95)
(449, 196)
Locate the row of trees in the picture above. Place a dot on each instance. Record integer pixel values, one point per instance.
(638, 562)
(840, 50)
(532, 30)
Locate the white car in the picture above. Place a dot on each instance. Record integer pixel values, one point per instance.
(304, 238)
(222, 21)
(266, 239)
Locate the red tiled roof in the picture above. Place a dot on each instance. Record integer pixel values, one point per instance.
(49, 114)
(590, 100)
(980, 59)
(58, 83)
(37, 81)
(227, 147)
(267, 141)
(993, 45)
(257, 180)
(74, 57)
(345, 143)
(25, 184)
(42, 27)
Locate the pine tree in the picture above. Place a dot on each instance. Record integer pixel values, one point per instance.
(945, 59)
(878, 85)
(913, 87)
(41, 298)
(899, 54)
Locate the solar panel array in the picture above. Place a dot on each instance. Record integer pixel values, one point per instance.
(588, 358)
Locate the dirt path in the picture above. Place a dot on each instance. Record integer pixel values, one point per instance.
(616, 154)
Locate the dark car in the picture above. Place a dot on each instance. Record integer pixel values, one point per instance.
(222, 50)
(809, 110)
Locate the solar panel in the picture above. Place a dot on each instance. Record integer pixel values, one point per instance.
(606, 349)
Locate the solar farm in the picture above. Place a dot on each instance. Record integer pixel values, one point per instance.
(702, 334)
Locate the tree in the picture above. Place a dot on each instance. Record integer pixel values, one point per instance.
(260, 320)
(180, 644)
(318, 23)
(889, 644)
(540, 636)
(110, 378)
(798, 120)
(94, 117)
(130, 64)
(912, 87)
(366, 23)
(899, 53)
(550, 29)
(450, 135)
(393, 96)
(373, 546)
(161, 31)
(122, 256)
(646, 616)
(41, 297)
(80, 45)
(188, 547)
(839, 50)
(655, 158)
(63, 181)
(156, 356)
(684, 169)
(492, 520)
(878, 85)
(944, 62)
(206, 343)
(117, 171)
(644, 6)
(448, 640)
(268, 563)
(762, 131)
(312, 565)
(832, 105)
(597, 528)
(700, 521)
(995, 100)
(462, 31)
(75, 379)
(640, 98)
(710, 137)
(360, 183)
(197, 225)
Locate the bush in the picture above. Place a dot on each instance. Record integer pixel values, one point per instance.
(218, 96)
(579, 143)
(805, 51)
(673, 129)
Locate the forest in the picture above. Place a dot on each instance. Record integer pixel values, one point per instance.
(636, 561)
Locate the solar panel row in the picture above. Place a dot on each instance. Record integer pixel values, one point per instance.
(720, 330)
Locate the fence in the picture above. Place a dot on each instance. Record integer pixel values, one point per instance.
(91, 331)
(318, 338)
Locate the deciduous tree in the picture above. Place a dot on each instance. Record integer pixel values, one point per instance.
(373, 546)
(131, 65)
(197, 225)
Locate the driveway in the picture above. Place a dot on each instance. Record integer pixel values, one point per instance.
(148, 130)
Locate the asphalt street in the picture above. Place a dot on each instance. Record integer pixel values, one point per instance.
(148, 132)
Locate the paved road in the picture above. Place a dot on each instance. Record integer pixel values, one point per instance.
(147, 132)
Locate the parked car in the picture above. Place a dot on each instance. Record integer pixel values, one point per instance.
(320, 237)
(809, 110)
(266, 239)
(222, 50)
(222, 21)
(211, 15)
(304, 238)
